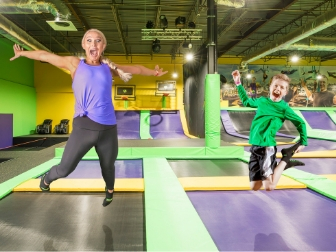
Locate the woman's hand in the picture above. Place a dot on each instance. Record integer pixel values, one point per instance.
(17, 51)
(236, 77)
(159, 71)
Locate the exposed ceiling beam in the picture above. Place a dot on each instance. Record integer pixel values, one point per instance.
(118, 25)
(76, 13)
(271, 15)
(157, 16)
(14, 33)
(320, 23)
(56, 40)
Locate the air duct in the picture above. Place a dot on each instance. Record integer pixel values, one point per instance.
(56, 7)
(15, 34)
(320, 23)
(231, 3)
(314, 44)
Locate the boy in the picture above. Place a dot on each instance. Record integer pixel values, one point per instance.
(270, 115)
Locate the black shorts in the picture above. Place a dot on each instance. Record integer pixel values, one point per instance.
(257, 160)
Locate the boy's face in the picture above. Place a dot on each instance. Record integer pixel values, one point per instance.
(278, 89)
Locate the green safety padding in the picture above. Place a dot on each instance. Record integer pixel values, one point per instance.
(298, 112)
(317, 183)
(212, 111)
(172, 223)
(7, 187)
(145, 124)
(168, 152)
(230, 151)
(332, 115)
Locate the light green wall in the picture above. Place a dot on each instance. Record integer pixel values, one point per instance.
(17, 91)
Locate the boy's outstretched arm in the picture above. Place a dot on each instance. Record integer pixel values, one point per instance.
(248, 102)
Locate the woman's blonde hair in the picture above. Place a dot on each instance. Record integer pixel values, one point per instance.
(124, 76)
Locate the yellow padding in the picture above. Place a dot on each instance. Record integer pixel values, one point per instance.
(313, 154)
(247, 144)
(330, 176)
(231, 183)
(84, 185)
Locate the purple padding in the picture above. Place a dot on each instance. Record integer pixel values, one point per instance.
(123, 169)
(281, 220)
(128, 123)
(166, 124)
(318, 166)
(319, 120)
(6, 130)
(228, 126)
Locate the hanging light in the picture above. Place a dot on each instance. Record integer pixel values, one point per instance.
(180, 22)
(163, 22)
(156, 46)
(191, 25)
(149, 24)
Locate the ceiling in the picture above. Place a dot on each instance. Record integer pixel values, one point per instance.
(264, 29)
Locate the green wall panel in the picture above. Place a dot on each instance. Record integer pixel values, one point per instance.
(18, 95)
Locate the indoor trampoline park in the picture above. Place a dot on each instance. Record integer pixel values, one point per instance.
(183, 129)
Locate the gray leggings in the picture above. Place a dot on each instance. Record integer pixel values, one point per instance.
(85, 135)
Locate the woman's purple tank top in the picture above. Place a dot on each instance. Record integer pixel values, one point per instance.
(92, 86)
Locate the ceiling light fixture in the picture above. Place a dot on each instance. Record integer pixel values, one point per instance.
(163, 22)
(180, 22)
(191, 25)
(156, 46)
(149, 24)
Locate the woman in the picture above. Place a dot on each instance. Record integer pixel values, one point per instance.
(94, 121)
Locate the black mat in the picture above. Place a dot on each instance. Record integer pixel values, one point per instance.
(192, 142)
(242, 122)
(71, 222)
(4, 159)
(208, 168)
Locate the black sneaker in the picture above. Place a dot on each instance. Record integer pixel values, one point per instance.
(293, 163)
(287, 153)
(43, 186)
(108, 198)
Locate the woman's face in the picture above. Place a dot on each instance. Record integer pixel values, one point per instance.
(93, 45)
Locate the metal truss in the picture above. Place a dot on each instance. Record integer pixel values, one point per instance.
(171, 34)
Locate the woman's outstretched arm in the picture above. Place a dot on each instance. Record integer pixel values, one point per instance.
(67, 62)
(141, 70)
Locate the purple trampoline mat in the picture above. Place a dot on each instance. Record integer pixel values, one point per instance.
(128, 123)
(319, 120)
(166, 124)
(123, 169)
(281, 220)
(318, 166)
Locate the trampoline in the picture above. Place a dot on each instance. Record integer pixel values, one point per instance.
(166, 124)
(193, 202)
(128, 123)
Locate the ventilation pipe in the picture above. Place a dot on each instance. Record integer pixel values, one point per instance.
(314, 44)
(320, 23)
(15, 34)
(58, 9)
(231, 3)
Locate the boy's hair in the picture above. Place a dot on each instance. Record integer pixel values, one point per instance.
(283, 77)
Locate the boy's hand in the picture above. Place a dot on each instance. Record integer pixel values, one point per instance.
(236, 77)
